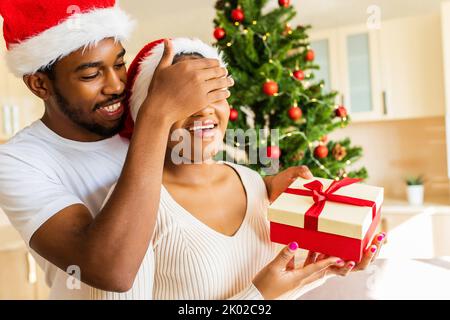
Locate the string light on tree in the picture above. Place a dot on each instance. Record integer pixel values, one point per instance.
(287, 30)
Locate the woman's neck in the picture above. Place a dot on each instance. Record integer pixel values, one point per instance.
(195, 174)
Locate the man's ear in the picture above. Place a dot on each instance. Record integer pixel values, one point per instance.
(39, 84)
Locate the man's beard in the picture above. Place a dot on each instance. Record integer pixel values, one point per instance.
(76, 116)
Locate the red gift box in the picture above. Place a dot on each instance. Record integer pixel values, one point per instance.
(337, 218)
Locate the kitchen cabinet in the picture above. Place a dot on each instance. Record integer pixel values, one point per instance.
(20, 277)
(349, 57)
(18, 106)
(412, 62)
(391, 73)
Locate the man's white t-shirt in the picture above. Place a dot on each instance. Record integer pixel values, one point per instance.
(42, 173)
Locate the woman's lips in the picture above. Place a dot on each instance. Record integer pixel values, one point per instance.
(204, 129)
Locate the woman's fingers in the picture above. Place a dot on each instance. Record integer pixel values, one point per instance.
(345, 270)
(317, 267)
(311, 258)
(299, 172)
(371, 252)
(285, 256)
(379, 241)
(291, 264)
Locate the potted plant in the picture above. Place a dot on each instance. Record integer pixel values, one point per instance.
(415, 190)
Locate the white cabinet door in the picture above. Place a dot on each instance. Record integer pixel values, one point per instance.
(360, 72)
(349, 61)
(411, 53)
(324, 43)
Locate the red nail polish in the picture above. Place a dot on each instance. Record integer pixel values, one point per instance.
(351, 265)
(293, 246)
(340, 262)
(380, 237)
(373, 249)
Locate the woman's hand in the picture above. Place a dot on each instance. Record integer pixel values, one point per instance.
(277, 184)
(371, 253)
(280, 276)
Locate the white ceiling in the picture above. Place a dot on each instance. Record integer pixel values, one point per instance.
(332, 13)
(157, 19)
(320, 13)
(172, 18)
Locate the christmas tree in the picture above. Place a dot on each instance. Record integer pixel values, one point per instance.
(272, 64)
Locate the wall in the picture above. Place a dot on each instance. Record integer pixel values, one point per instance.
(395, 149)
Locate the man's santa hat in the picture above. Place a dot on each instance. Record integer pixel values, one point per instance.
(40, 32)
(142, 69)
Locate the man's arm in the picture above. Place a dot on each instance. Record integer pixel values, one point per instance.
(110, 247)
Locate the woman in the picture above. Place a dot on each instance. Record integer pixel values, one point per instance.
(211, 239)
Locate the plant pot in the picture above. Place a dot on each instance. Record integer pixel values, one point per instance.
(415, 195)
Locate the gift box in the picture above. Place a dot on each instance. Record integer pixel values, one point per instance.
(337, 218)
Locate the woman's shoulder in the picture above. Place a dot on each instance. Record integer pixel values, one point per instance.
(244, 171)
(251, 179)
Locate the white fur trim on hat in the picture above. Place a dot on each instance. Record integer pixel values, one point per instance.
(149, 64)
(79, 31)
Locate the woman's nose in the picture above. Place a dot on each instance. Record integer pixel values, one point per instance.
(209, 110)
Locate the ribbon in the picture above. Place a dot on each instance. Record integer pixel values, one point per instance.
(320, 197)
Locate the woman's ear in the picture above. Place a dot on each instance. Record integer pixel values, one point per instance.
(39, 84)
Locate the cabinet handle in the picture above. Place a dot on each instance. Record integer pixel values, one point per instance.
(384, 99)
(32, 277)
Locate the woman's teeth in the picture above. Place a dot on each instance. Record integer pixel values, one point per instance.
(207, 127)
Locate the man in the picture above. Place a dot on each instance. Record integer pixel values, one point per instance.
(55, 174)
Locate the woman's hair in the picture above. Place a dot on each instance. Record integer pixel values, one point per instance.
(178, 56)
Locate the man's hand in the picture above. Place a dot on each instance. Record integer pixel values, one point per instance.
(277, 184)
(179, 90)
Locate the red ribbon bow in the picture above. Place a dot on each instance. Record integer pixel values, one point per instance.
(320, 197)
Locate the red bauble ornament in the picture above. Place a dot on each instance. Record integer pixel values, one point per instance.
(284, 3)
(310, 55)
(270, 88)
(321, 152)
(234, 114)
(219, 33)
(295, 113)
(341, 112)
(299, 75)
(237, 15)
(273, 152)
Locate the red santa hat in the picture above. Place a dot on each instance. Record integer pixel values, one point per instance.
(38, 33)
(142, 69)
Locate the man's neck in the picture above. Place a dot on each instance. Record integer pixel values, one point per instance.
(66, 128)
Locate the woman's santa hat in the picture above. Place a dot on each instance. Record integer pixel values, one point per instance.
(40, 32)
(142, 69)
